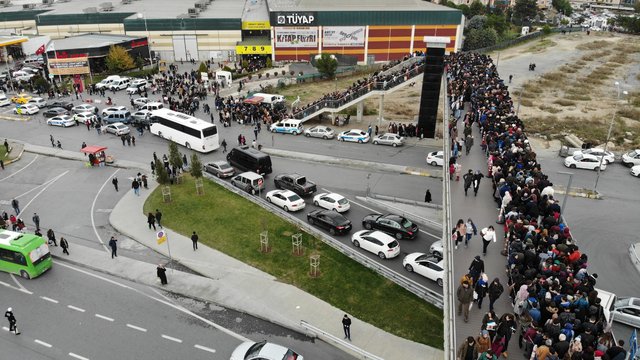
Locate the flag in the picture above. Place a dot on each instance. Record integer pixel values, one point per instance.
(633, 345)
(40, 50)
(162, 236)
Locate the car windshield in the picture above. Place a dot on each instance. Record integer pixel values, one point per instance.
(224, 166)
(290, 355)
(343, 201)
(293, 197)
(393, 244)
(254, 349)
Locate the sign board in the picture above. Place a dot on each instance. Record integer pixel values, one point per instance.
(288, 18)
(162, 237)
(291, 37)
(344, 36)
(253, 49)
(256, 25)
(69, 66)
(204, 76)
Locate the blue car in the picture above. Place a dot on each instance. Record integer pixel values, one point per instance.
(354, 135)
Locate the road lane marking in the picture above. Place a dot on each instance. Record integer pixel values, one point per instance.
(34, 159)
(137, 328)
(43, 190)
(104, 317)
(171, 338)
(213, 351)
(76, 308)
(58, 263)
(15, 288)
(22, 288)
(93, 206)
(78, 356)
(49, 299)
(42, 343)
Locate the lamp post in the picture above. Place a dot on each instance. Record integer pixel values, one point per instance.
(566, 193)
(606, 144)
(146, 29)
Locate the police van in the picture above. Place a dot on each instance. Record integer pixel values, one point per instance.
(287, 126)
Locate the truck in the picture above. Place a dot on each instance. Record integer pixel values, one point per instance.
(296, 183)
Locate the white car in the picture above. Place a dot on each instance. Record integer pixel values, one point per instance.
(286, 199)
(436, 248)
(631, 158)
(635, 170)
(83, 117)
(429, 266)
(38, 101)
(82, 108)
(140, 102)
(354, 135)
(320, 131)
(584, 161)
(609, 157)
(332, 201)
(113, 109)
(388, 139)
(263, 350)
(61, 120)
(627, 311)
(22, 75)
(435, 158)
(377, 242)
(137, 86)
(26, 109)
(117, 129)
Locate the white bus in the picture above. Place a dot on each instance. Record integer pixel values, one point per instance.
(185, 130)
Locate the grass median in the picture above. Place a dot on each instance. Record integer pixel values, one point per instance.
(231, 224)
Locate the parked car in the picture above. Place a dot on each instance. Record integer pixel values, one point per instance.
(354, 135)
(320, 131)
(83, 117)
(137, 86)
(82, 108)
(21, 98)
(388, 139)
(117, 129)
(332, 201)
(376, 242)
(249, 181)
(295, 182)
(584, 161)
(140, 102)
(436, 248)
(221, 169)
(631, 158)
(627, 311)
(392, 224)
(263, 351)
(141, 116)
(61, 120)
(26, 109)
(335, 222)
(609, 157)
(21, 75)
(113, 109)
(435, 158)
(429, 266)
(635, 170)
(51, 112)
(38, 101)
(106, 82)
(63, 104)
(286, 199)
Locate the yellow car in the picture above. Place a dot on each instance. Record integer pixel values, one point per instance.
(21, 98)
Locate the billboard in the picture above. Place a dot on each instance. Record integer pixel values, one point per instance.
(343, 36)
(291, 37)
(308, 18)
(69, 66)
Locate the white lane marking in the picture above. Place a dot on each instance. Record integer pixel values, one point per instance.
(42, 343)
(15, 288)
(136, 328)
(43, 190)
(104, 317)
(78, 356)
(6, 177)
(213, 351)
(22, 288)
(34, 189)
(171, 338)
(5, 328)
(94, 275)
(93, 206)
(76, 308)
(430, 234)
(49, 299)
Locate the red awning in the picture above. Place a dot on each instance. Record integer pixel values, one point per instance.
(93, 149)
(255, 100)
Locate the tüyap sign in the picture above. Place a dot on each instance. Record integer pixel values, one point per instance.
(345, 36)
(294, 18)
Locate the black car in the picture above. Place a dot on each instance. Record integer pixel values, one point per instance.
(49, 113)
(394, 225)
(63, 104)
(327, 219)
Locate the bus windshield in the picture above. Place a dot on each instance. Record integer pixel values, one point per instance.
(39, 254)
(210, 131)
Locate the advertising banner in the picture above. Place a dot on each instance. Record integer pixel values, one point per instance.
(253, 49)
(345, 36)
(256, 25)
(69, 66)
(290, 37)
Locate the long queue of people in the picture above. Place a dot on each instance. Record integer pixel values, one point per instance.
(557, 313)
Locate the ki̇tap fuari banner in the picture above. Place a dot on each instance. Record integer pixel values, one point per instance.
(291, 37)
(343, 36)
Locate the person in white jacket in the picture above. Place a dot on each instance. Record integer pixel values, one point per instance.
(488, 235)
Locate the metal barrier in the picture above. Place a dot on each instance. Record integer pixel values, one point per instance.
(336, 340)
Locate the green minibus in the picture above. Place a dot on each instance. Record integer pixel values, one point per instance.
(26, 255)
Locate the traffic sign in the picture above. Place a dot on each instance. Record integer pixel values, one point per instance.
(162, 237)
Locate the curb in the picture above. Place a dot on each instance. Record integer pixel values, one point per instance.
(16, 158)
(583, 193)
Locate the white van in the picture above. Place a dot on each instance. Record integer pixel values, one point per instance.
(4, 101)
(120, 84)
(223, 78)
(152, 106)
(271, 99)
(287, 126)
(107, 81)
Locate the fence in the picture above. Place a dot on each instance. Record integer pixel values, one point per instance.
(336, 340)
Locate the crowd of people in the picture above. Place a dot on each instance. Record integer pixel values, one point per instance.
(556, 312)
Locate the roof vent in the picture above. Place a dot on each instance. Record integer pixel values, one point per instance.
(90, 10)
(29, 6)
(193, 12)
(106, 6)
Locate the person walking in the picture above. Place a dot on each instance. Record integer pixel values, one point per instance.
(476, 182)
(495, 290)
(194, 239)
(459, 232)
(64, 245)
(36, 221)
(471, 230)
(15, 204)
(468, 350)
(161, 271)
(427, 196)
(346, 326)
(151, 220)
(224, 146)
(476, 268)
(506, 328)
(481, 289)
(465, 296)
(488, 234)
(113, 244)
(158, 218)
(468, 143)
(468, 180)
(114, 181)
(51, 236)
(13, 327)
(135, 185)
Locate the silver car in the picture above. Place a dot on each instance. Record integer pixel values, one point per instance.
(221, 169)
(117, 129)
(627, 311)
(320, 131)
(388, 139)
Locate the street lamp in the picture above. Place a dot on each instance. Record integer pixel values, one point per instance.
(566, 193)
(146, 29)
(606, 144)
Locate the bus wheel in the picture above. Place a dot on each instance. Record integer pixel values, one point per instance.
(25, 274)
(187, 145)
